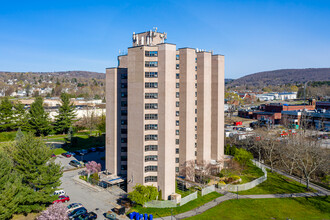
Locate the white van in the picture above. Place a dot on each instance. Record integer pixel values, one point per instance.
(59, 192)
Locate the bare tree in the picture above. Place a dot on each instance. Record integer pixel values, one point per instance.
(310, 156)
(288, 154)
(203, 170)
(187, 169)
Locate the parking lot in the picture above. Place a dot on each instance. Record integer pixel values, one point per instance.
(93, 198)
(92, 156)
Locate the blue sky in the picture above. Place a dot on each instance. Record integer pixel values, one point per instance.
(254, 36)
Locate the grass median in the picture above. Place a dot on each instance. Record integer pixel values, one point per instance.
(276, 184)
(286, 208)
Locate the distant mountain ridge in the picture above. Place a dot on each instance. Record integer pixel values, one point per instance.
(283, 76)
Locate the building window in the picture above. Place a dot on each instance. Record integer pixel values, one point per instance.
(196, 68)
(195, 128)
(151, 116)
(177, 104)
(151, 148)
(177, 57)
(151, 127)
(123, 76)
(148, 179)
(176, 160)
(123, 167)
(196, 153)
(123, 131)
(123, 103)
(177, 123)
(151, 137)
(195, 94)
(150, 169)
(151, 96)
(123, 149)
(151, 74)
(195, 110)
(195, 119)
(177, 169)
(196, 85)
(177, 141)
(177, 66)
(123, 85)
(151, 64)
(123, 158)
(177, 113)
(151, 53)
(151, 85)
(177, 150)
(123, 112)
(177, 94)
(123, 122)
(177, 85)
(195, 102)
(195, 136)
(123, 140)
(124, 94)
(151, 158)
(177, 132)
(196, 60)
(195, 144)
(196, 77)
(178, 75)
(151, 106)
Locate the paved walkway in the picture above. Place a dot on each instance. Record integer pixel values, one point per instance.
(229, 196)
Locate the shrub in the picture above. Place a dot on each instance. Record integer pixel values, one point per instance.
(142, 194)
(55, 211)
(243, 157)
(221, 183)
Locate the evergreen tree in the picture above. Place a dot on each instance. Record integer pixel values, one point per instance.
(40, 174)
(66, 115)
(38, 118)
(21, 117)
(6, 115)
(10, 187)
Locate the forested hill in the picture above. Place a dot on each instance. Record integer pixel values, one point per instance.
(66, 74)
(283, 76)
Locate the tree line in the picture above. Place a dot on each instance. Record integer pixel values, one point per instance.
(36, 119)
(298, 154)
(28, 176)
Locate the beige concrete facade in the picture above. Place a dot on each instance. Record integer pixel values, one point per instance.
(164, 107)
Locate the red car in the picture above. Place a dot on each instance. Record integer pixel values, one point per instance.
(66, 155)
(62, 199)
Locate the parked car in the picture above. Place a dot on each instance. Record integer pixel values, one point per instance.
(62, 199)
(110, 215)
(59, 192)
(83, 151)
(93, 149)
(75, 163)
(66, 155)
(87, 216)
(73, 206)
(72, 154)
(78, 152)
(77, 212)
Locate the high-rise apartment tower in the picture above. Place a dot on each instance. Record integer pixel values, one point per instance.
(165, 106)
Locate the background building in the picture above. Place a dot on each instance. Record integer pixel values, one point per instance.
(164, 107)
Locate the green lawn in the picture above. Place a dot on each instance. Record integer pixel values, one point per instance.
(247, 174)
(58, 151)
(286, 208)
(160, 212)
(276, 184)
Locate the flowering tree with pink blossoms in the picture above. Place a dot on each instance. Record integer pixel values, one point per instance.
(56, 211)
(93, 167)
